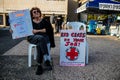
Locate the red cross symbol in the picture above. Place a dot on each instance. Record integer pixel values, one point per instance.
(72, 54)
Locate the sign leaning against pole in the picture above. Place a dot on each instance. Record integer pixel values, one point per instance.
(73, 47)
(20, 23)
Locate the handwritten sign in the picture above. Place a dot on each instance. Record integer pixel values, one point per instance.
(72, 48)
(20, 22)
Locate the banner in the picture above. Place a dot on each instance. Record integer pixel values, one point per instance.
(20, 23)
(72, 47)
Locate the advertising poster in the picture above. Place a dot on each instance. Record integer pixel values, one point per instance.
(20, 23)
(72, 48)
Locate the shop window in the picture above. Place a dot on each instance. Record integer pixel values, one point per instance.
(7, 20)
(1, 20)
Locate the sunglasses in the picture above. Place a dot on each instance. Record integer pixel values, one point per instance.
(36, 11)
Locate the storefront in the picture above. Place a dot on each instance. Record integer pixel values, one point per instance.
(100, 6)
(96, 9)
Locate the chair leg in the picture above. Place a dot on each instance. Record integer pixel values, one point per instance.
(87, 53)
(35, 53)
(29, 56)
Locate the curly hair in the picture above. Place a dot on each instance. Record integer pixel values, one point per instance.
(35, 8)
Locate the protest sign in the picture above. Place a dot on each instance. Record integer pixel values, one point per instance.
(20, 23)
(72, 47)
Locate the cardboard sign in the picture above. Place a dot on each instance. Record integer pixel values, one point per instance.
(20, 22)
(72, 47)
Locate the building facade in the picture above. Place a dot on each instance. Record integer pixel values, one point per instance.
(96, 9)
(48, 7)
(66, 8)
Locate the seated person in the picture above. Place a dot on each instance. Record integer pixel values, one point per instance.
(43, 34)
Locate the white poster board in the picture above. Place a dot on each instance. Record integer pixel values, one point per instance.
(72, 47)
(20, 23)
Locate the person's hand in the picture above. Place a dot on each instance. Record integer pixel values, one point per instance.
(40, 30)
(34, 31)
(11, 31)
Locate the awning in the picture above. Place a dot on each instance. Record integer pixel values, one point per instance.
(82, 8)
(100, 6)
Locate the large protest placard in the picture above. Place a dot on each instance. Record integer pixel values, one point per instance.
(20, 23)
(72, 47)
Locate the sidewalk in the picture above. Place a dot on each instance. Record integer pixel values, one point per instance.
(104, 63)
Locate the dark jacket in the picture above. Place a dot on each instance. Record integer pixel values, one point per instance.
(50, 33)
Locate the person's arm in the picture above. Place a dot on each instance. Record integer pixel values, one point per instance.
(40, 30)
(11, 31)
(50, 33)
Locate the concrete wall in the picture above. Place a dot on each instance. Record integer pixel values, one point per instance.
(13, 5)
(83, 17)
(83, 1)
(46, 6)
(1, 5)
(72, 6)
(67, 8)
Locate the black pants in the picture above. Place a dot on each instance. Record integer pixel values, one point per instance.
(41, 42)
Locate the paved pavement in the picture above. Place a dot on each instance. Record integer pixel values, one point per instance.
(6, 41)
(104, 62)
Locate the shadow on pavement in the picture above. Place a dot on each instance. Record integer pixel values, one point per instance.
(14, 67)
(6, 41)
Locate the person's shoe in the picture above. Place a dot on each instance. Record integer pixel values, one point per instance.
(39, 70)
(48, 65)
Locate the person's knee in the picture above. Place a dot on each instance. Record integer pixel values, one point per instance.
(41, 39)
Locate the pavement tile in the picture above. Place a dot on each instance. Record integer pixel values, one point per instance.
(104, 63)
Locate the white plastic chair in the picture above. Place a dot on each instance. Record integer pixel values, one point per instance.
(32, 48)
(77, 26)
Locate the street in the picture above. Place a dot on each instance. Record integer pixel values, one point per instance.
(104, 62)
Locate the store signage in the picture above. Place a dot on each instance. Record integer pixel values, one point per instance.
(72, 47)
(21, 24)
(81, 8)
(109, 6)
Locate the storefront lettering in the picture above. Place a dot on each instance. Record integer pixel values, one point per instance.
(107, 6)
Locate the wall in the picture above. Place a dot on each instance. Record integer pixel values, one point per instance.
(83, 1)
(83, 17)
(46, 6)
(1, 5)
(72, 6)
